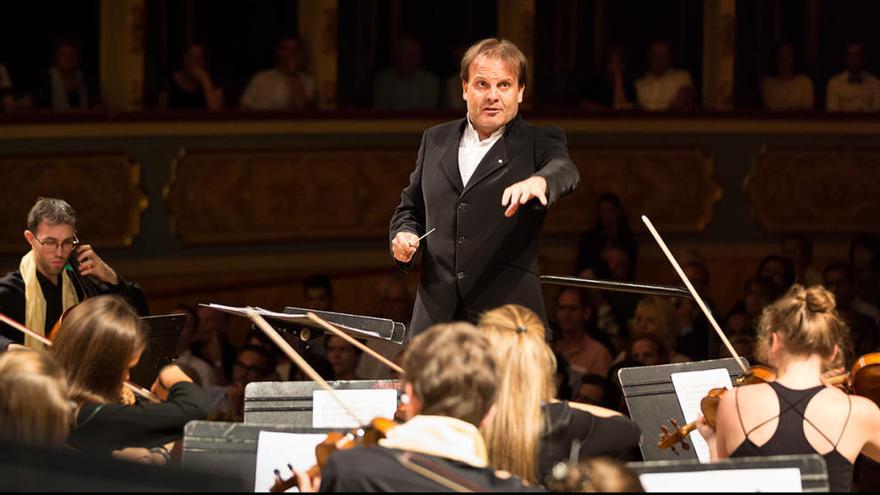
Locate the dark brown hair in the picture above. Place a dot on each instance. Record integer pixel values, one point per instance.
(499, 48)
(452, 372)
(97, 341)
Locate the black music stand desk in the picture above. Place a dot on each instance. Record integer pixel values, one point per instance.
(163, 334)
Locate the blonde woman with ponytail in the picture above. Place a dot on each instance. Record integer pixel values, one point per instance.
(531, 431)
(799, 335)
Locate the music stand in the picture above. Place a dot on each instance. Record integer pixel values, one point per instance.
(229, 448)
(651, 400)
(290, 403)
(712, 477)
(381, 328)
(163, 334)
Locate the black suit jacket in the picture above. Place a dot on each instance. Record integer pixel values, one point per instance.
(478, 259)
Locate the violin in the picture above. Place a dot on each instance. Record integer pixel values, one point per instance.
(709, 407)
(336, 441)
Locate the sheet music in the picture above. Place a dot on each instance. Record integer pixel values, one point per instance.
(690, 388)
(275, 450)
(367, 404)
(773, 480)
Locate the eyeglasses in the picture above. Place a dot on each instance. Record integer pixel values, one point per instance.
(251, 370)
(51, 244)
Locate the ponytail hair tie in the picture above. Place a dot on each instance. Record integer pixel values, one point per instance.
(520, 329)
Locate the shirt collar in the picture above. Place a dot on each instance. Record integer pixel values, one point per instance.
(471, 136)
(440, 436)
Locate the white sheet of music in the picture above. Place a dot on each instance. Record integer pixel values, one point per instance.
(773, 480)
(367, 404)
(275, 450)
(690, 388)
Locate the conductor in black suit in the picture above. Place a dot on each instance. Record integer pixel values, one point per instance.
(484, 182)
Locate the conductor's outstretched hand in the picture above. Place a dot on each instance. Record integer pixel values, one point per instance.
(523, 191)
(404, 246)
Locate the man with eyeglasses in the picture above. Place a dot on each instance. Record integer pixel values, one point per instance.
(38, 293)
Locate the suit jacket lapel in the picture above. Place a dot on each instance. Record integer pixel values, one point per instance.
(497, 156)
(449, 160)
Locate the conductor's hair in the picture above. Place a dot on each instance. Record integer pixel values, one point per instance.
(503, 49)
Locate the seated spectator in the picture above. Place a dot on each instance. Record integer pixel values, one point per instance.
(406, 86)
(592, 390)
(343, 356)
(35, 406)
(758, 293)
(585, 355)
(454, 98)
(608, 89)
(656, 316)
(855, 89)
(396, 304)
(744, 346)
(287, 86)
(562, 378)
(7, 95)
(860, 316)
(864, 257)
(694, 334)
(778, 269)
(211, 342)
(647, 350)
(205, 371)
(191, 87)
(663, 88)
(531, 431)
(798, 249)
(252, 364)
(63, 86)
(611, 226)
(787, 89)
(616, 265)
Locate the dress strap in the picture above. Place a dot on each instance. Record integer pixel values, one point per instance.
(738, 415)
(845, 423)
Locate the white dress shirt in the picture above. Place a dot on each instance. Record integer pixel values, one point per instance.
(471, 150)
(844, 95)
(656, 93)
(270, 90)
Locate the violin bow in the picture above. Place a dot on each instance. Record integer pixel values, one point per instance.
(296, 358)
(48, 343)
(693, 292)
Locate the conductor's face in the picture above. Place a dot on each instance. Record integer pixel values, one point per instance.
(493, 94)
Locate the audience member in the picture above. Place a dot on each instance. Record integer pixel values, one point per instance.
(612, 225)
(798, 249)
(864, 257)
(191, 87)
(861, 317)
(616, 265)
(211, 342)
(396, 304)
(592, 390)
(743, 344)
(531, 431)
(206, 374)
(585, 355)
(63, 86)
(407, 85)
(287, 86)
(454, 97)
(758, 293)
(562, 378)
(662, 87)
(647, 350)
(656, 316)
(608, 88)
(778, 269)
(787, 89)
(694, 337)
(253, 363)
(343, 356)
(35, 407)
(855, 89)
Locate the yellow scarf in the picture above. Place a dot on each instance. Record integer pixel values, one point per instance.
(35, 302)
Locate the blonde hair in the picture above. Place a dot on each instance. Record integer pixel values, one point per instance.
(663, 308)
(97, 341)
(452, 372)
(526, 366)
(34, 402)
(806, 321)
(503, 49)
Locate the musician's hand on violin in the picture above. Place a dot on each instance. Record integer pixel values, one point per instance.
(523, 191)
(834, 377)
(306, 483)
(404, 246)
(706, 431)
(17, 347)
(92, 264)
(141, 455)
(170, 376)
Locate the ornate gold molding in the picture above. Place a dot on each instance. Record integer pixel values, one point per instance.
(103, 188)
(803, 189)
(676, 187)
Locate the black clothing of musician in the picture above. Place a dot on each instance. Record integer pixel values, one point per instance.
(103, 428)
(478, 258)
(617, 436)
(12, 300)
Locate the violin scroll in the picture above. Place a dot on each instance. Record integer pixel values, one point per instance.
(678, 435)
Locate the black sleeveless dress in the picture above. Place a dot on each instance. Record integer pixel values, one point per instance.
(789, 437)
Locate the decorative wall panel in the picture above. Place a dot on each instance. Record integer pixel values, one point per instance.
(675, 187)
(815, 190)
(104, 189)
